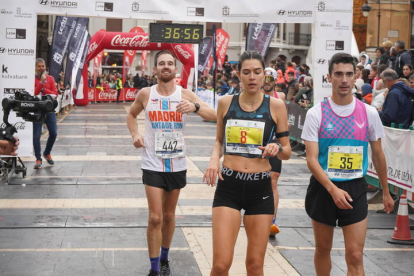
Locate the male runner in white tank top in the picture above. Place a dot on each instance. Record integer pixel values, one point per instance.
(166, 106)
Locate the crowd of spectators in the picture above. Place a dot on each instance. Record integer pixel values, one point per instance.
(108, 81)
(387, 83)
(293, 80)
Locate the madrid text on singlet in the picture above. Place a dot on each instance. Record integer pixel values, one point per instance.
(165, 119)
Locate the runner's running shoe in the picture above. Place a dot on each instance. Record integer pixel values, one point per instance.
(165, 268)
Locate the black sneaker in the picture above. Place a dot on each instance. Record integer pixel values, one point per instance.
(153, 273)
(165, 268)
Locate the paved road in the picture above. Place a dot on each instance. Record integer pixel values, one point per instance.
(87, 214)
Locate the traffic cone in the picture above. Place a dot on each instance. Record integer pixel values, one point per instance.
(402, 233)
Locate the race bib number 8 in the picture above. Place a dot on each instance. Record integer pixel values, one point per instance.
(169, 144)
(244, 136)
(345, 162)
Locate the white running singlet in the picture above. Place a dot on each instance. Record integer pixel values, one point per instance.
(164, 140)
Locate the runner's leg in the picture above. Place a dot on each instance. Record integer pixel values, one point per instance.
(169, 205)
(154, 236)
(275, 178)
(323, 245)
(257, 236)
(274, 228)
(354, 236)
(226, 226)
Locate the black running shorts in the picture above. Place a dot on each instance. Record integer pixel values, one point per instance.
(249, 191)
(276, 164)
(320, 206)
(165, 180)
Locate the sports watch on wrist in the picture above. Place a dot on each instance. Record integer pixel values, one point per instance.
(197, 106)
(280, 148)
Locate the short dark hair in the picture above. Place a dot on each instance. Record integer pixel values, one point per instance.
(163, 52)
(380, 49)
(381, 69)
(393, 51)
(400, 44)
(341, 58)
(250, 55)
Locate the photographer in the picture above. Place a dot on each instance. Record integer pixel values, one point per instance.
(44, 85)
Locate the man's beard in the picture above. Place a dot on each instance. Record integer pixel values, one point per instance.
(164, 78)
(270, 89)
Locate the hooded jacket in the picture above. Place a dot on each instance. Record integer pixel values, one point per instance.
(397, 107)
(378, 98)
(366, 64)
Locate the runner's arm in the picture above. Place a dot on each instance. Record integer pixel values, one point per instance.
(187, 106)
(135, 109)
(213, 169)
(339, 196)
(279, 115)
(380, 164)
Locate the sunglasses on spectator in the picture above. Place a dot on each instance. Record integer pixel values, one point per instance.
(269, 78)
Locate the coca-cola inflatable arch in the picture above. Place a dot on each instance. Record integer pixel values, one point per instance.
(133, 41)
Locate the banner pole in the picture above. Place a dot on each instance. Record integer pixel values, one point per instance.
(214, 65)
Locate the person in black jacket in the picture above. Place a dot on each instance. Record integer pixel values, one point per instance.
(397, 107)
(403, 57)
(137, 79)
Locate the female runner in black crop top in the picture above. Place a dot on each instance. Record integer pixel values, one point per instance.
(245, 126)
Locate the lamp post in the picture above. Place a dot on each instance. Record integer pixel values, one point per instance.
(365, 11)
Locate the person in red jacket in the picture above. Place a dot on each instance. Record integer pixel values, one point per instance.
(44, 85)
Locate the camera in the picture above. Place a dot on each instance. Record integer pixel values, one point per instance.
(30, 108)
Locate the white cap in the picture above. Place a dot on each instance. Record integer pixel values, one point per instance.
(269, 71)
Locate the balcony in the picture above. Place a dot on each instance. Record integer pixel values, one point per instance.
(299, 39)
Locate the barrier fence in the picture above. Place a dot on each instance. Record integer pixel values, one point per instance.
(98, 95)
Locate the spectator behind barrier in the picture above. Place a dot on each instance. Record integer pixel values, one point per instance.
(403, 58)
(292, 88)
(397, 107)
(378, 95)
(366, 93)
(305, 95)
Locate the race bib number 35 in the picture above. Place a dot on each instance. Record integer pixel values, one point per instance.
(345, 162)
(169, 144)
(244, 136)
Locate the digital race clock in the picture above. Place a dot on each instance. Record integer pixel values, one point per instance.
(176, 33)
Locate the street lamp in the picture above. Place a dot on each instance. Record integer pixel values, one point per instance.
(365, 11)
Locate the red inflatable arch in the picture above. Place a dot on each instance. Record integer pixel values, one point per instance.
(132, 41)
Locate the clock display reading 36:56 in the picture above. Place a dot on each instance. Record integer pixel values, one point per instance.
(176, 33)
